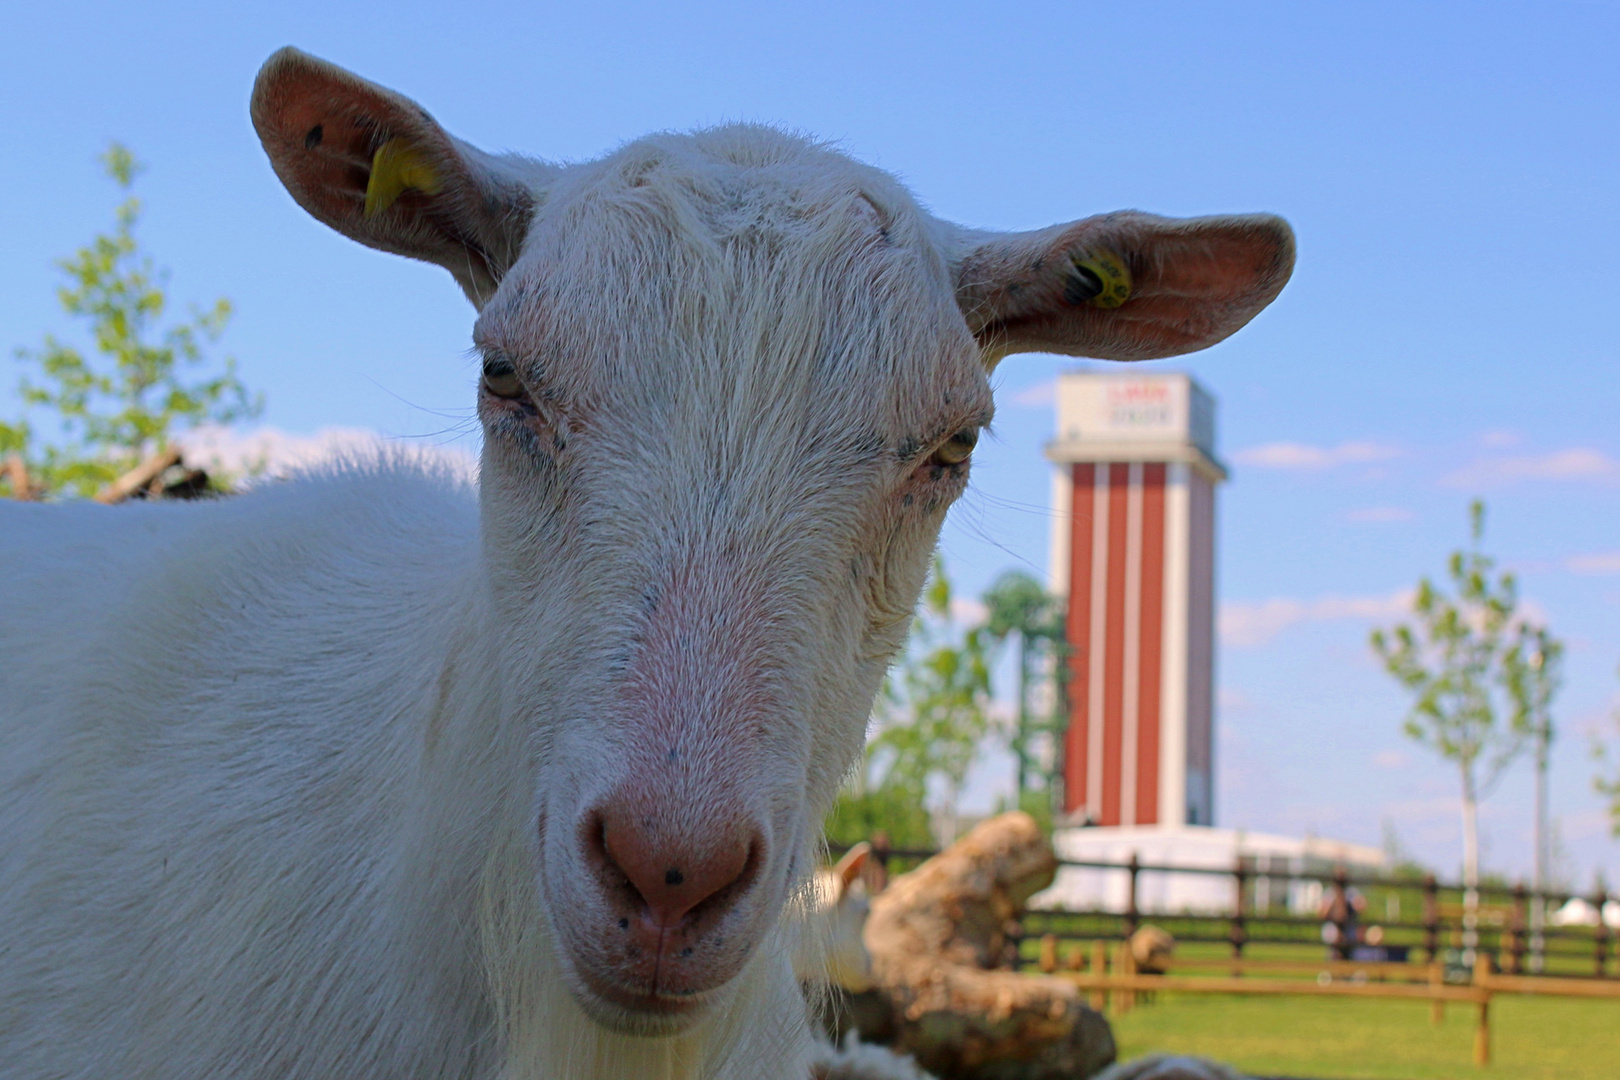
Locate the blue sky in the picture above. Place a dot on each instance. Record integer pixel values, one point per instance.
(1450, 170)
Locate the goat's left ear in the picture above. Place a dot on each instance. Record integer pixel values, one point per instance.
(377, 168)
(850, 866)
(1123, 286)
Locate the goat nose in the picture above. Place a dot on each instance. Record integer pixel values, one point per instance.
(675, 871)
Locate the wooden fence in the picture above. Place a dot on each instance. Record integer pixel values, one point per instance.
(1100, 959)
(1115, 987)
(1505, 931)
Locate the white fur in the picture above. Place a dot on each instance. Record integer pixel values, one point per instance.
(831, 949)
(264, 815)
(1170, 1067)
(298, 784)
(855, 1060)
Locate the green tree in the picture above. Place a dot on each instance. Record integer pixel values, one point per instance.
(1019, 606)
(896, 812)
(1609, 788)
(112, 406)
(1463, 662)
(1534, 668)
(930, 719)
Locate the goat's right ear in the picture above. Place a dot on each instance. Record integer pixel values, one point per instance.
(377, 168)
(1122, 286)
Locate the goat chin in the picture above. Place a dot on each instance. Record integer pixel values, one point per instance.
(645, 1016)
(756, 1028)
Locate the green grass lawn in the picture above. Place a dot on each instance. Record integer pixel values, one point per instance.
(1356, 1039)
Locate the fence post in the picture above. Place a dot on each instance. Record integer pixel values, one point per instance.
(1238, 933)
(1437, 982)
(1341, 912)
(1600, 938)
(1482, 1033)
(1134, 867)
(1125, 967)
(1099, 968)
(1431, 918)
(1538, 929)
(1049, 957)
(1516, 944)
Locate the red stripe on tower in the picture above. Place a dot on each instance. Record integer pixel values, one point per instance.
(1135, 556)
(1083, 480)
(1152, 645)
(1113, 675)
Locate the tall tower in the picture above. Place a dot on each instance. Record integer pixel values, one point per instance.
(1133, 548)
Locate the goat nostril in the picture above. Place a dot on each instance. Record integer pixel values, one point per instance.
(667, 877)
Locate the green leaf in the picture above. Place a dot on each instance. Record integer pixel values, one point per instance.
(109, 408)
(1464, 658)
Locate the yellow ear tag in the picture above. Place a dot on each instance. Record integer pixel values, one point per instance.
(1110, 270)
(396, 167)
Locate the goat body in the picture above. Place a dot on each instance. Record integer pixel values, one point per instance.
(260, 824)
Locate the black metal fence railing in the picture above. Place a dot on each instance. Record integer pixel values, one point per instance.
(1503, 929)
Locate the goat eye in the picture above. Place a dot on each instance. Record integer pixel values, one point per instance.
(957, 448)
(501, 379)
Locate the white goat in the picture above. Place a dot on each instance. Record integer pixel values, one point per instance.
(380, 774)
(832, 949)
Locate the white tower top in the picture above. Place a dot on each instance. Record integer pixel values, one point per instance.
(1128, 417)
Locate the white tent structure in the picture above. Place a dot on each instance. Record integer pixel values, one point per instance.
(1579, 912)
(1195, 846)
